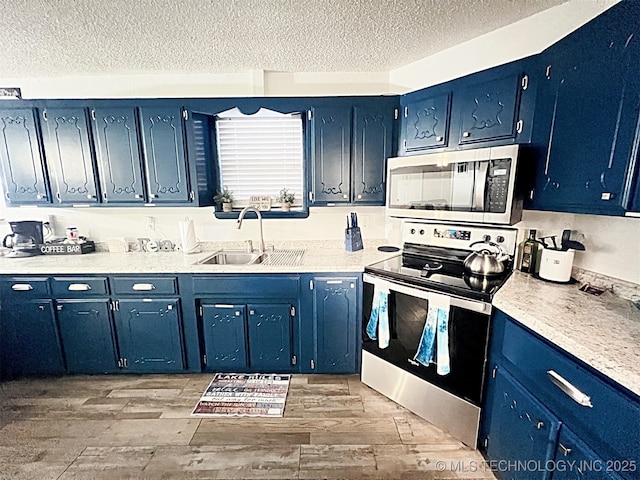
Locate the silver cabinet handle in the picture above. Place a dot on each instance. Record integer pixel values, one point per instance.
(466, 134)
(143, 287)
(21, 287)
(78, 287)
(575, 394)
(564, 450)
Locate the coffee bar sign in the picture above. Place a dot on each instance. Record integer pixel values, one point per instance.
(10, 92)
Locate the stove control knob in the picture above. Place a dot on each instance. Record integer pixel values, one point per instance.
(486, 238)
(413, 231)
(421, 232)
(499, 239)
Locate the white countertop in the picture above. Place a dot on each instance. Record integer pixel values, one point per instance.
(319, 256)
(603, 332)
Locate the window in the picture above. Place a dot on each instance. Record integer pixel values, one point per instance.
(260, 154)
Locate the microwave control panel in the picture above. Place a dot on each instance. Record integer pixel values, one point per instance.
(498, 185)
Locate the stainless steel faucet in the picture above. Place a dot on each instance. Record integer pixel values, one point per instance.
(241, 217)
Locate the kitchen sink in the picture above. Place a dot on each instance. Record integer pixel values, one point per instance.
(232, 257)
(241, 257)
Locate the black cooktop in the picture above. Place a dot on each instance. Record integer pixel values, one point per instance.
(439, 270)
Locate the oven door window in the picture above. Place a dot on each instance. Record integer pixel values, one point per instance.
(468, 340)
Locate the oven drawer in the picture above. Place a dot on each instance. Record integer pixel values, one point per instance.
(586, 402)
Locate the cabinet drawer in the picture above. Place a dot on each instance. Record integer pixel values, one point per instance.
(145, 285)
(65, 287)
(254, 286)
(607, 414)
(24, 288)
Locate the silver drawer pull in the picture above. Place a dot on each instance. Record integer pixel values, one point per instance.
(575, 394)
(21, 287)
(143, 287)
(78, 287)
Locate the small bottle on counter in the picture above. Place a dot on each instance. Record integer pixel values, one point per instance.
(529, 253)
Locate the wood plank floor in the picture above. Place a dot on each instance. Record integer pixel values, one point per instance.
(140, 427)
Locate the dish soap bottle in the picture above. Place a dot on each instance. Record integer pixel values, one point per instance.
(529, 253)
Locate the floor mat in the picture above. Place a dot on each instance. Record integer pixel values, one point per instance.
(251, 395)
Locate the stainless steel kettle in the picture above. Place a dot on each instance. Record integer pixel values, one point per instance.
(485, 261)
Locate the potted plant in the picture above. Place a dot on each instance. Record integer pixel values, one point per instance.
(286, 199)
(225, 197)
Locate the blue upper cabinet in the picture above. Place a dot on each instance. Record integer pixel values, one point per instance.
(350, 143)
(69, 155)
(487, 110)
(118, 152)
(165, 155)
(585, 135)
(425, 121)
(373, 144)
(21, 159)
(331, 155)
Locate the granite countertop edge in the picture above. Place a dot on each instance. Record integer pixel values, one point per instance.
(603, 331)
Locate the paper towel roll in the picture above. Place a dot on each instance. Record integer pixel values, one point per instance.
(188, 236)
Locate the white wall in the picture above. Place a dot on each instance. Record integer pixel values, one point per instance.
(101, 224)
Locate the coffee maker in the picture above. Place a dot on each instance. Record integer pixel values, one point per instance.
(25, 240)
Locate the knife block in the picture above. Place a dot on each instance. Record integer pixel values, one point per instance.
(353, 239)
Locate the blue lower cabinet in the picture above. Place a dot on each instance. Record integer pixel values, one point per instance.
(520, 429)
(30, 344)
(149, 334)
(270, 337)
(335, 324)
(576, 461)
(87, 335)
(224, 329)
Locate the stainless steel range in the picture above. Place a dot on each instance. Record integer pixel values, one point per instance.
(426, 321)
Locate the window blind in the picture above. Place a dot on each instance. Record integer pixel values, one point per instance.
(260, 154)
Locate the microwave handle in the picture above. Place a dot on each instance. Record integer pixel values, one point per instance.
(479, 307)
(479, 189)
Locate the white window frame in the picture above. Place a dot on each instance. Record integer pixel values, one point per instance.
(238, 144)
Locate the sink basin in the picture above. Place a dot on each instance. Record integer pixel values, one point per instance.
(241, 257)
(232, 257)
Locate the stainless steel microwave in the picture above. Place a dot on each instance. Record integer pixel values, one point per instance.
(477, 185)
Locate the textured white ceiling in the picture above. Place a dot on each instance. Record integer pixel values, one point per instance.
(75, 37)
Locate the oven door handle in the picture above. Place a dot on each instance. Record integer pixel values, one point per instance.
(479, 307)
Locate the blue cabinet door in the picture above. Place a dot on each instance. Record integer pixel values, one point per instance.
(225, 337)
(487, 111)
(165, 156)
(149, 335)
(269, 337)
(519, 428)
(576, 461)
(21, 158)
(425, 122)
(373, 144)
(331, 155)
(87, 335)
(335, 324)
(69, 155)
(30, 344)
(118, 154)
(586, 115)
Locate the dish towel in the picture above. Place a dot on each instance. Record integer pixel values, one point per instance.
(436, 334)
(378, 325)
